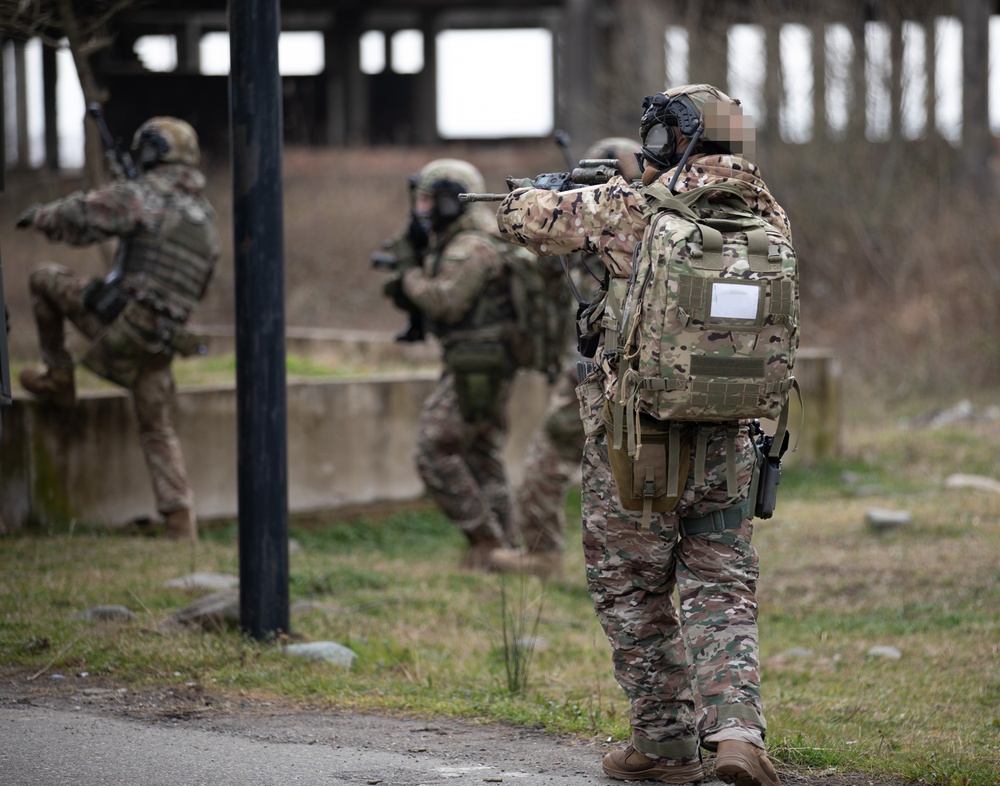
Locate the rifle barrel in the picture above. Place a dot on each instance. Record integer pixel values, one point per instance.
(482, 197)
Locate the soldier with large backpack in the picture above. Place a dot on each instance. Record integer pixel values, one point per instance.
(698, 336)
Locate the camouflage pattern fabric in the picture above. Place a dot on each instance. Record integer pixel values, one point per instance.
(691, 673)
(463, 292)
(144, 208)
(461, 463)
(551, 462)
(57, 294)
(614, 214)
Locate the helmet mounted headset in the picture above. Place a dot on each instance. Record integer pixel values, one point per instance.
(664, 119)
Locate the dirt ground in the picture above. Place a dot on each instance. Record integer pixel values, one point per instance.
(280, 720)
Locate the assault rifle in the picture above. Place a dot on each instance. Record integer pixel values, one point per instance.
(397, 254)
(122, 165)
(589, 172)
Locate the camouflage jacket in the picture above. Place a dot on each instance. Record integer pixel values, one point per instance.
(462, 286)
(609, 219)
(136, 211)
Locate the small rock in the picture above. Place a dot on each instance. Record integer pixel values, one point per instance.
(978, 482)
(885, 652)
(329, 651)
(110, 613)
(215, 611)
(882, 520)
(207, 581)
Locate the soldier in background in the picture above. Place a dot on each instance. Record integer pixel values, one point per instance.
(134, 318)
(553, 457)
(450, 266)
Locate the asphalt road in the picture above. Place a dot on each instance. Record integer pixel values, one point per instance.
(50, 746)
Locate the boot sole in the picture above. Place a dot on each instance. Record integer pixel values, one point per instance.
(740, 772)
(651, 775)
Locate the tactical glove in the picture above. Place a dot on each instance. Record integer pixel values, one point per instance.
(27, 218)
(519, 182)
(418, 233)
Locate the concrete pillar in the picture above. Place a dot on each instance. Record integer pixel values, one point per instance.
(425, 101)
(21, 106)
(50, 108)
(577, 78)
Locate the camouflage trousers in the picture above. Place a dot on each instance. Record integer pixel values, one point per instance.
(551, 463)
(691, 671)
(461, 464)
(57, 295)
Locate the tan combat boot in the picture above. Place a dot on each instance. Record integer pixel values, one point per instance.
(744, 764)
(477, 557)
(55, 385)
(180, 525)
(543, 564)
(632, 765)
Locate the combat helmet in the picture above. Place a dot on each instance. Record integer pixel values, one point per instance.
(444, 179)
(710, 119)
(166, 140)
(626, 150)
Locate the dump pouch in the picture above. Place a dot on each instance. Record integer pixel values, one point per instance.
(479, 368)
(654, 480)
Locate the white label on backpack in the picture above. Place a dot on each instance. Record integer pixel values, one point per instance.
(734, 301)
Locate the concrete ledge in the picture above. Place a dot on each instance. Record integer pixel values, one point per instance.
(350, 443)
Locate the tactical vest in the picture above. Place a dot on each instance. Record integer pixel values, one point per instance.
(176, 264)
(490, 317)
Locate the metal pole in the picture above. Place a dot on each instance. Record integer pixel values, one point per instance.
(262, 439)
(5, 389)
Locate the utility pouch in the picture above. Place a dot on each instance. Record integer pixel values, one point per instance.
(590, 397)
(104, 299)
(127, 345)
(479, 368)
(586, 342)
(654, 479)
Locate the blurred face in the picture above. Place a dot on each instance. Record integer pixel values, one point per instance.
(423, 203)
(725, 123)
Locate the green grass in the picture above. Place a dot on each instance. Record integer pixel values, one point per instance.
(427, 634)
(221, 370)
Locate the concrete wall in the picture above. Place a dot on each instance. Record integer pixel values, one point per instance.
(350, 441)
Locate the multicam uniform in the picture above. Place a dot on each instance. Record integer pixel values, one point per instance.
(169, 248)
(692, 675)
(463, 291)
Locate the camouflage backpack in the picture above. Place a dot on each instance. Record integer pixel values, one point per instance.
(709, 327)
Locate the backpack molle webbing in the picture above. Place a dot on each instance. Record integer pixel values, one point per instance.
(710, 326)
